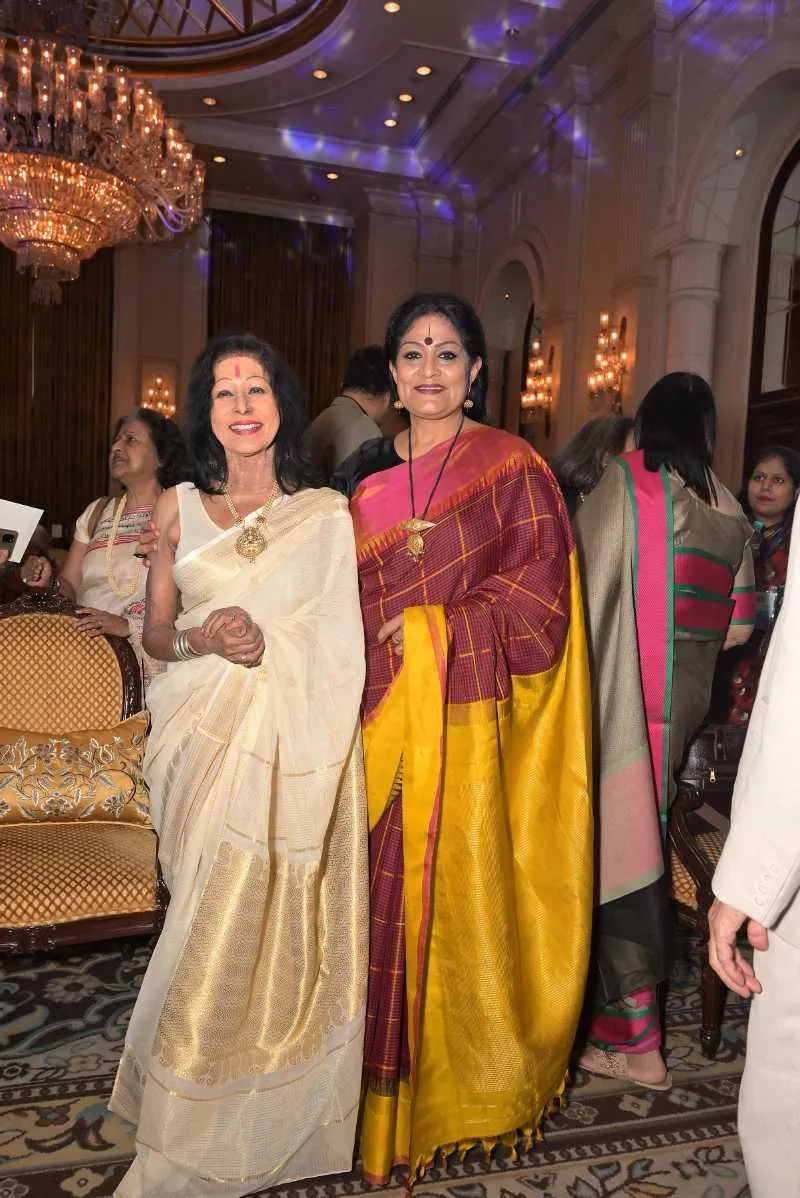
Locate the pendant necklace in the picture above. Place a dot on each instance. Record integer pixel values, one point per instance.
(418, 526)
(251, 541)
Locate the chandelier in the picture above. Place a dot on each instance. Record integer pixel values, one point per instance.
(87, 157)
(159, 399)
(610, 366)
(537, 396)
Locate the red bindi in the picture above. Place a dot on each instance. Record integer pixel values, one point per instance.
(429, 340)
(237, 371)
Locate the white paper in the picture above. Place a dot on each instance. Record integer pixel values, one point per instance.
(16, 517)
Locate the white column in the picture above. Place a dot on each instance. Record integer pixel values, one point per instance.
(694, 293)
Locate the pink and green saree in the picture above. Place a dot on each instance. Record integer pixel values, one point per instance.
(659, 568)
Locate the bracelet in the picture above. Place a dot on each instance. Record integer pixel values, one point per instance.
(182, 647)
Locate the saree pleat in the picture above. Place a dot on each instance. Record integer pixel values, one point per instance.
(242, 1062)
(488, 718)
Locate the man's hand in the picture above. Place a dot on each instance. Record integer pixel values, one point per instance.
(724, 957)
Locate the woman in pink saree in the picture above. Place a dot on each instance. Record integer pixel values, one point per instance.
(668, 579)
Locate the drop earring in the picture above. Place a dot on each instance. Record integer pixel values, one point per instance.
(469, 401)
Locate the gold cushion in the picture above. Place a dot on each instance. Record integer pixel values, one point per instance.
(78, 776)
(684, 890)
(57, 873)
(54, 678)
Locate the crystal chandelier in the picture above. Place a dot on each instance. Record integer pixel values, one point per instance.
(611, 364)
(87, 159)
(537, 396)
(159, 399)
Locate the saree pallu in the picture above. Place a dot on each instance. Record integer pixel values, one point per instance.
(660, 570)
(242, 1063)
(477, 755)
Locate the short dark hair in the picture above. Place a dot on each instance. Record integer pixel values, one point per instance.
(210, 467)
(464, 320)
(174, 465)
(676, 426)
(367, 370)
(579, 465)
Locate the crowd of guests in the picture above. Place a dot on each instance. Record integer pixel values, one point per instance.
(414, 737)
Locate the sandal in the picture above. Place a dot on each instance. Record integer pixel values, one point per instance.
(601, 1063)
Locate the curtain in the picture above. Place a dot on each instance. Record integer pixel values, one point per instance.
(290, 283)
(55, 390)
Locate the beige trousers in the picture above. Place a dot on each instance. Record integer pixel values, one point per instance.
(769, 1101)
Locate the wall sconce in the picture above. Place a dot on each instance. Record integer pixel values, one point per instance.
(537, 396)
(610, 366)
(159, 399)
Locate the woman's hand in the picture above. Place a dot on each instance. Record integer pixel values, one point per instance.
(393, 630)
(147, 544)
(231, 633)
(37, 573)
(95, 622)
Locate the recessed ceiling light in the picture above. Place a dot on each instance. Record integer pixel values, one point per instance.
(209, 101)
(739, 152)
(220, 158)
(320, 73)
(424, 70)
(391, 6)
(512, 31)
(390, 122)
(331, 175)
(405, 97)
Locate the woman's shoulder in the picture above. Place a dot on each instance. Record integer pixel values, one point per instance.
(319, 502)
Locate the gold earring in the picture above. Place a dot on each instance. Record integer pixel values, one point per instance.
(398, 404)
(469, 402)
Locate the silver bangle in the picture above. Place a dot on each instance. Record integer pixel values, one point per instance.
(182, 647)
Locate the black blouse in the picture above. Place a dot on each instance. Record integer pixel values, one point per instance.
(370, 458)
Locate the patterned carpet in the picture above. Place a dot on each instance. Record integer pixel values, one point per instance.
(62, 1023)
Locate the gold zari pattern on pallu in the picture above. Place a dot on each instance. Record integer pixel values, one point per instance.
(52, 670)
(242, 1062)
(57, 873)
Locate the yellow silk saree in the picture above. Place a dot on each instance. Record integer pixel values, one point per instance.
(477, 748)
(242, 1064)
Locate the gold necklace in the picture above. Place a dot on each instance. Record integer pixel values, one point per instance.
(251, 540)
(126, 591)
(418, 526)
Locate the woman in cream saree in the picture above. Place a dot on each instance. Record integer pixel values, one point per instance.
(241, 1067)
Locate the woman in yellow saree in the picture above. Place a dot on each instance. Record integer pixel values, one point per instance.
(476, 732)
(242, 1063)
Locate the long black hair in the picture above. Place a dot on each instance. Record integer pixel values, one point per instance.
(174, 464)
(464, 320)
(579, 465)
(292, 468)
(676, 426)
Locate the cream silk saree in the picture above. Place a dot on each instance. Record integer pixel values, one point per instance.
(242, 1063)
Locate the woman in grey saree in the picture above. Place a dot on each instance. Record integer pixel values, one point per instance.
(241, 1067)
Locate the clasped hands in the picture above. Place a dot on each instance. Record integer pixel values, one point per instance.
(231, 633)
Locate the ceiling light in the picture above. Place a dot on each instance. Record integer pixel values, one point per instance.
(390, 122)
(391, 6)
(405, 97)
(512, 31)
(424, 70)
(331, 175)
(320, 73)
(739, 152)
(220, 158)
(209, 101)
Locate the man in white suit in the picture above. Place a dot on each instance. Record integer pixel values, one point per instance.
(758, 880)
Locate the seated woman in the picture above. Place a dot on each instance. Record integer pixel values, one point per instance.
(771, 496)
(580, 465)
(102, 573)
(242, 1062)
(476, 731)
(664, 549)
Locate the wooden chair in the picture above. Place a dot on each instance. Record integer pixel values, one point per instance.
(67, 881)
(698, 826)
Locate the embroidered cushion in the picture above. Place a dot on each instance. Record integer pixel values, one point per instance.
(77, 776)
